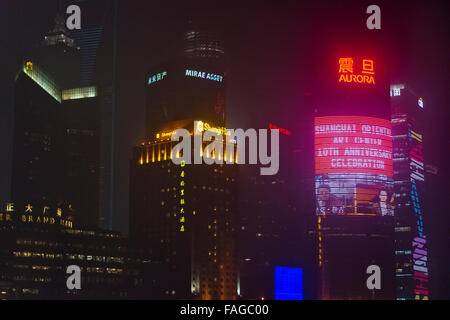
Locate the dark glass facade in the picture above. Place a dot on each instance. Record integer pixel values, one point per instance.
(56, 143)
(274, 213)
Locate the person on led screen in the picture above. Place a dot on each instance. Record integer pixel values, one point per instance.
(382, 206)
(327, 203)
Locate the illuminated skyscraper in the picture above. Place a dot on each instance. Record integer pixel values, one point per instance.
(185, 216)
(354, 177)
(190, 85)
(411, 248)
(56, 138)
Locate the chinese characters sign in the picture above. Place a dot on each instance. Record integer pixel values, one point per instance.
(32, 214)
(356, 72)
(157, 77)
(182, 202)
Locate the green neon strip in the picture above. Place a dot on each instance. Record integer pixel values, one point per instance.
(44, 81)
(79, 93)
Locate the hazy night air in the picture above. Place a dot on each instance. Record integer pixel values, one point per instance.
(93, 91)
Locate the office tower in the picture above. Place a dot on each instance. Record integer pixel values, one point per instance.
(58, 55)
(96, 43)
(353, 172)
(185, 216)
(273, 220)
(190, 85)
(267, 228)
(411, 247)
(435, 203)
(90, 39)
(56, 134)
(354, 205)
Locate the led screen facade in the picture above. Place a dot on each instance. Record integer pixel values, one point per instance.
(353, 166)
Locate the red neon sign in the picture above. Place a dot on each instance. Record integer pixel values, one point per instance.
(353, 145)
(284, 131)
(346, 74)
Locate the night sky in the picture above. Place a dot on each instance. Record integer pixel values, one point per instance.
(273, 52)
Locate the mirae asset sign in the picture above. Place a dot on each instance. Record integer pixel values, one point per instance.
(204, 75)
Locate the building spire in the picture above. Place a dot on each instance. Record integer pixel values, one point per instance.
(59, 34)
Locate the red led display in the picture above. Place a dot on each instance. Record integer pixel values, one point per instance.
(353, 145)
(346, 71)
(353, 166)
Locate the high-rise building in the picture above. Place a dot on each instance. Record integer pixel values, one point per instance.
(353, 175)
(273, 218)
(89, 40)
(56, 134)
(411, 246)
(438, 244)
(58, 55)
(96, 43)
(190, 85)
(185, 215)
